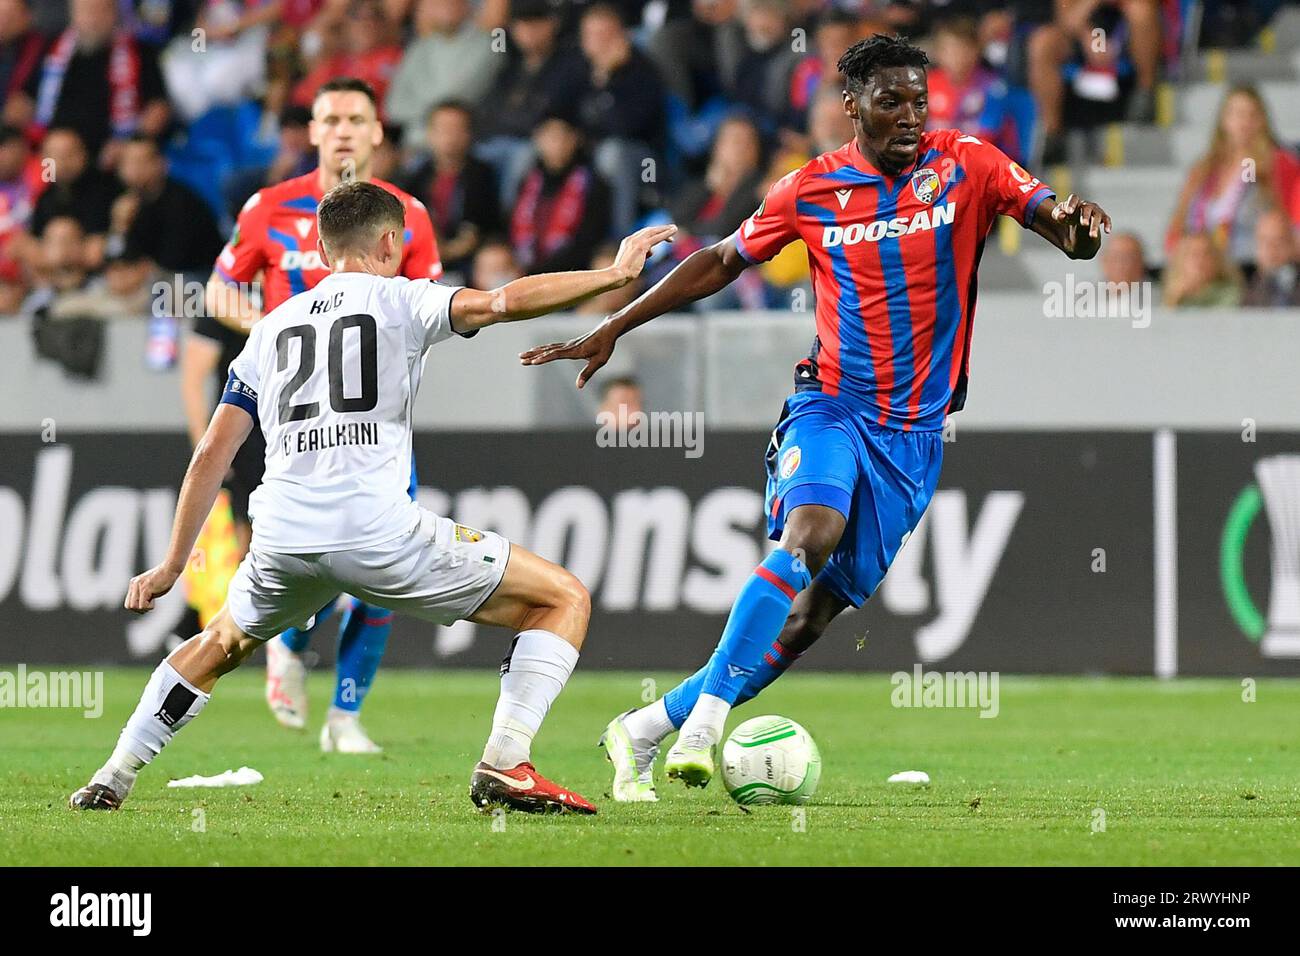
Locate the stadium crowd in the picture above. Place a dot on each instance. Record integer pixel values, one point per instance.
(538, 131)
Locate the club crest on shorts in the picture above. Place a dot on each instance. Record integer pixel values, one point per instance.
(790, 459)
(468, 535)
(925, 184)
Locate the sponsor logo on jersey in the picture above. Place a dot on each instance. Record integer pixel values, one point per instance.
(925, 185)
(843, 196)
(303, 226)
(923, 221)
(294, 259)
(469, 535)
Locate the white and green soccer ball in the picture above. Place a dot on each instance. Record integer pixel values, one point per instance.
(771, 760)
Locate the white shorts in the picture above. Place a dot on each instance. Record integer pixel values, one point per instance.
(439, 571)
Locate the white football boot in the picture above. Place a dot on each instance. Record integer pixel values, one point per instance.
(286, 685)
(344, 734)
(633, 762)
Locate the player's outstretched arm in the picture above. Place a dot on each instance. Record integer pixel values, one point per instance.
(537, 295)
(229, 427)
(1073, 226)
(229, 305)
(701, 274)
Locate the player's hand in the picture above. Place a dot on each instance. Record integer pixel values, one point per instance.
(595, 346)
(146, 588)
(1075, 213)
(636, 248)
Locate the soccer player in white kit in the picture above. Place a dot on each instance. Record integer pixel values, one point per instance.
(330, 377)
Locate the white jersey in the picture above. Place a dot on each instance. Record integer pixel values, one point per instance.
(331, 376)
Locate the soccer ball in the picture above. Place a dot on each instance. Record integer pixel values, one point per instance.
(771, 760)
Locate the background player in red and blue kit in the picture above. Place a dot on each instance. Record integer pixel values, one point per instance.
(894, 221)
(275, 238)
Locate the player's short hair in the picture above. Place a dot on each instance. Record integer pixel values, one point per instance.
(354, 214)
(877, 52)
(619, 381)
(347, 84)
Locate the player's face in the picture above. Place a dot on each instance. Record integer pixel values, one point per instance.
(890, 116)
(345, 132)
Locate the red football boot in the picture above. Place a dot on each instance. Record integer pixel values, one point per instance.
(522, 788)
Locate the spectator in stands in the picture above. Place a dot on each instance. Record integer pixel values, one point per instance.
(1245, 173)
(621, 398)
(494, 265)
(387, 159)
(540, 75)
(965, 95)
(761, 78)
(459, 190)
(229, 66)
(1200, 275)
(1055, 41)
(615, 299)
(167, 223)
(1123, 259)
(562, 213)
(13, 289)
(715, 206)
(100, 81)
(829, 127)
(370, 52)
(79, 190)
(692, 52)
(295, 157)
(20, 185)
(60, 268)
(22, 48)
(452, 59)
(837, 30)
(621, 109)
(124, 290)
(1277, 279)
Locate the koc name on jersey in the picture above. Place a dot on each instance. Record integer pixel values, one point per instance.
(294, 259)
(857, 232)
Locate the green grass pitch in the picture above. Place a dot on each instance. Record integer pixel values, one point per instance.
(1186, 773)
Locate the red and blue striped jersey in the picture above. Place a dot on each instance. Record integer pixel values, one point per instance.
(275, 236)
(893, 265)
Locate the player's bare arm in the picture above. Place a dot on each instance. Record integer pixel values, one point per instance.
(532, 296)
(230, 305)
(703, 273)
(212, 457)
(1074, 226)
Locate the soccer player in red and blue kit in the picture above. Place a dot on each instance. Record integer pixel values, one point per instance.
(275, 237)
(894, 222)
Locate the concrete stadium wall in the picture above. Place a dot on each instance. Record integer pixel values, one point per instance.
(1192, 369)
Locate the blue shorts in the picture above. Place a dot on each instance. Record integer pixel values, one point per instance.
(826, 452)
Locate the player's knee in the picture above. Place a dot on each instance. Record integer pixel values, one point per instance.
(813, 536)
(572, 595)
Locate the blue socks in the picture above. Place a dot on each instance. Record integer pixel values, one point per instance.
(680, 701)
(363, 637)
(755, 621)
(297, 638)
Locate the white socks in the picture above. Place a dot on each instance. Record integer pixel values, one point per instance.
(532, 676)
(650, 724)
(703, 728)
(168, 703)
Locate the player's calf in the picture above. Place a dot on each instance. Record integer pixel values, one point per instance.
(549, 608)
(177, 691)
